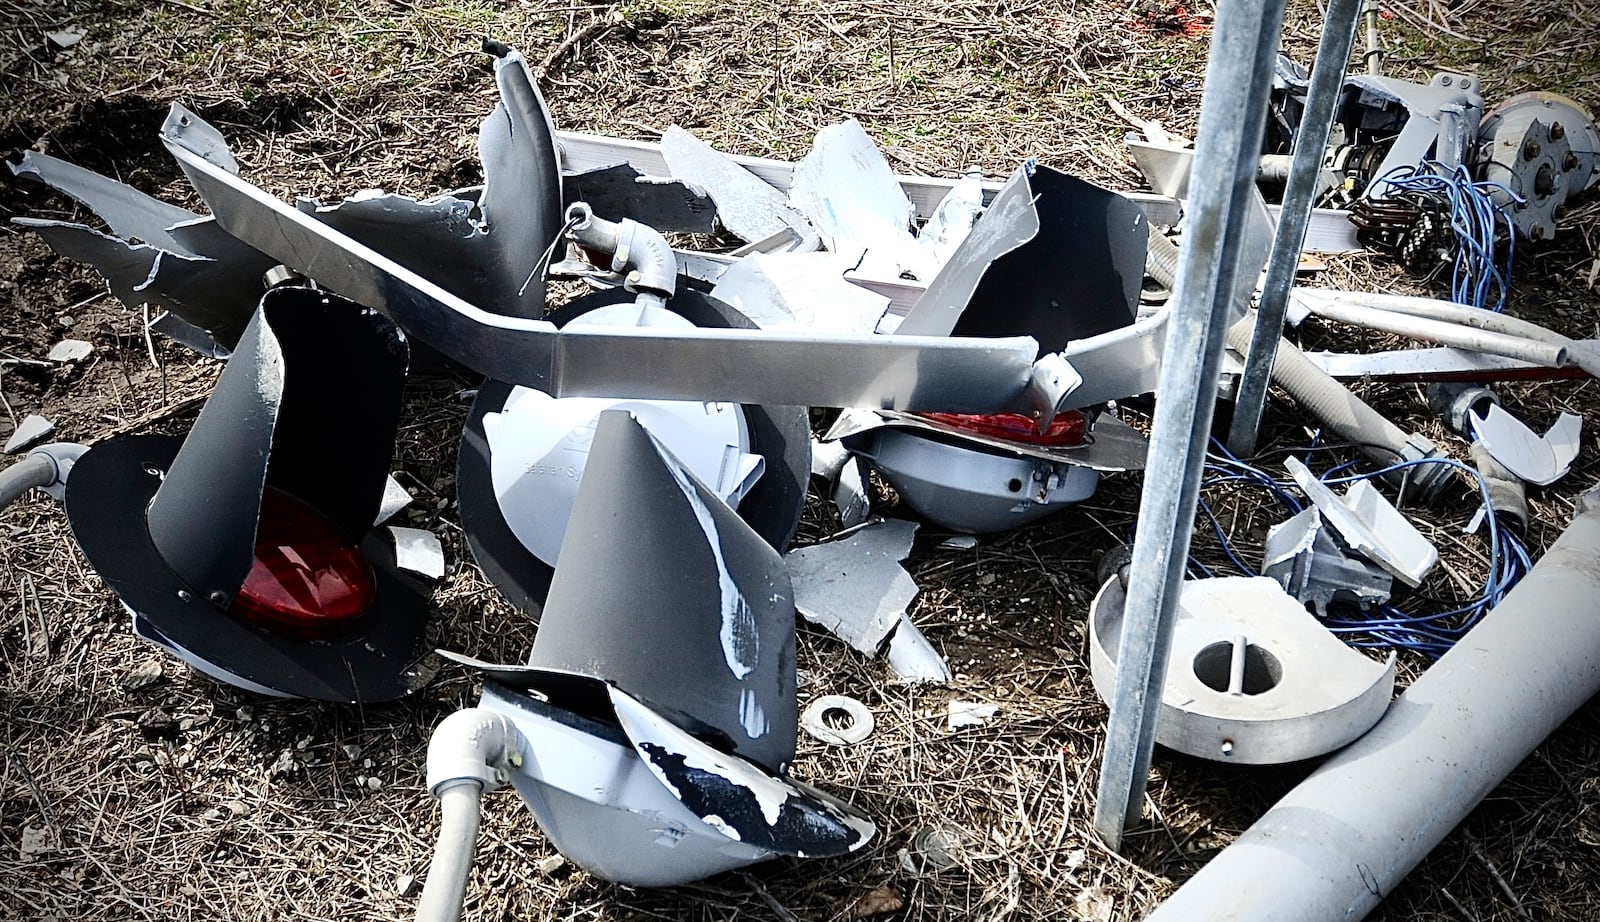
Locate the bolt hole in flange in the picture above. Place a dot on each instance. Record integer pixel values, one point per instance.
(1214, 666)
(1014, 485)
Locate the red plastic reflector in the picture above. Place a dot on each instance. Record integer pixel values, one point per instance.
(306, 581)
(1068, 428)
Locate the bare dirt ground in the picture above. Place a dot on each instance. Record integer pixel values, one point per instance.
(131, 788)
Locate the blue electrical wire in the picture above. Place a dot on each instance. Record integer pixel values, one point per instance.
(1476, 219)
(1388, 625)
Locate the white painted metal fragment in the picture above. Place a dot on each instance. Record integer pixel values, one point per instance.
(1537, 459)
(1370, 525)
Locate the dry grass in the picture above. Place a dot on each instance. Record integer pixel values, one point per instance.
(256, 809)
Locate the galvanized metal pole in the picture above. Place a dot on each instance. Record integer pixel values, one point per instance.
(1244, 45)
(1310, 145)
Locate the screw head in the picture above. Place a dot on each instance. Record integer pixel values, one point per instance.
(1531, 150)
(1557, 131)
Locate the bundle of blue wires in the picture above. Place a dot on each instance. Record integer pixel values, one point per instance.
(1476, 218)
(1429, 633)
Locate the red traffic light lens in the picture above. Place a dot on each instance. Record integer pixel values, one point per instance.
(1068, 427)
(306, 581)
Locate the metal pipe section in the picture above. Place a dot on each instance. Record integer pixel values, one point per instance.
(652, 267)
(1579, 352)
(1342, 411)
(1333, 846)
(1244, 46)
(1310, 146)
(1442, 332)
(470, 752)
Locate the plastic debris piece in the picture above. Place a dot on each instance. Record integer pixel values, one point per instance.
(746, 205)
(970, 714)
(1306, 559)
(855, 587)
(952, 219)
(1370, 525)
(70, 350)
(31, 431)
(417, 550)
(913, 659)
(1537, 459)
(857, 726)
(960, 542)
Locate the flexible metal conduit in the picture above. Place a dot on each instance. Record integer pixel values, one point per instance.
(1341, 840)
(1328, 400)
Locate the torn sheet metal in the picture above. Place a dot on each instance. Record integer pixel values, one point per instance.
(1303, 555)
(1111, 446)
(851, 495)
(129, 213)
(693, 692)
(595, 799)
(1054, 257)
(952, 374)
(779, 434)
(1537, 459)
(800, 291)
(848, 191)
(738, 799)
(418, 551)
(485, 247)
(173, 525)
(539, 449)
(854, 587)
(719, 642)
(1252, 677)
(1330, 230)
(395, 498)
(1370, 525)
(1167, 168)
(662, 202)
(746, 206)
(156, 254)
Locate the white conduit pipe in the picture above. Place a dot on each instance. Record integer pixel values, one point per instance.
(32, 471)
(1579, 353)
(1340, 841)
(471, 751)
(1441, 332)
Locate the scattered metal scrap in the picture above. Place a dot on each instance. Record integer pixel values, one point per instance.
(618, 701)
(1316, 567)
(854, 587)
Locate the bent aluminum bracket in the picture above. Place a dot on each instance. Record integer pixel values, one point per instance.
(748, 366)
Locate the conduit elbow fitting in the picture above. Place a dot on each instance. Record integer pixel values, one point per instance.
(475, 745)
(638, 248)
